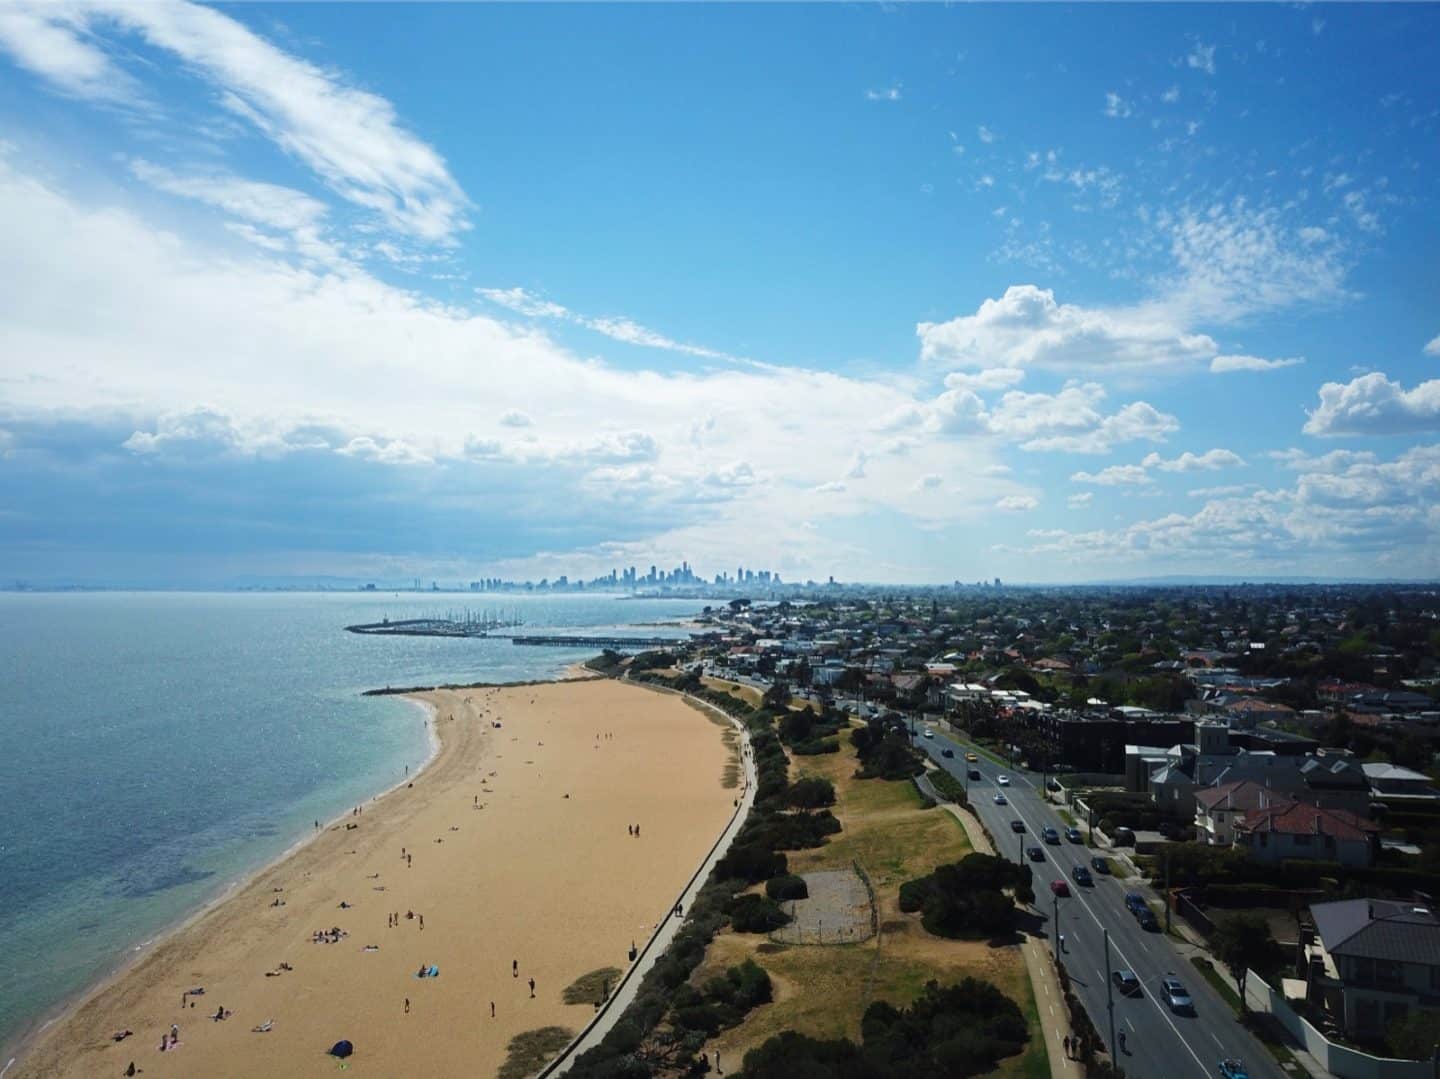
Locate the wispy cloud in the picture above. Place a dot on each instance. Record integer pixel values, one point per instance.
(351, 138)
(1225, 364)
(1116, 107)
(1201, 58)
(889, 93)
(526, 303)
(1433, 347)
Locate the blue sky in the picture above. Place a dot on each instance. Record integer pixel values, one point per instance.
(908, 293)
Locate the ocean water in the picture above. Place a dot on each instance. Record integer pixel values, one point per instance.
(156, 747)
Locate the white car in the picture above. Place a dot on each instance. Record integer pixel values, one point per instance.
(929, 733)
(1004, 781)
(999, 799)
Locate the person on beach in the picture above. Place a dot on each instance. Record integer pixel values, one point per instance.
(532, 988)
(407, 1005)
(131, 1070)
(492, 1009)
(514, 968)
(422, 921)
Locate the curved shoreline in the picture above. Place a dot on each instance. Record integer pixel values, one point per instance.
(239, 937)
(137, 952)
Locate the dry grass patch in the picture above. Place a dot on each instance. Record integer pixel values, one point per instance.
(531, 1050)
(591, 988)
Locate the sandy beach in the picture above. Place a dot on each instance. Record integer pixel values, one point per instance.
(517, 850)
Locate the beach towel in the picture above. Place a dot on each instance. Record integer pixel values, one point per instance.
(434, 972)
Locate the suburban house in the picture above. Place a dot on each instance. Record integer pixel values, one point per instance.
(1298, 830)
(1400, 785)
(1217, 809)
(1373, 961)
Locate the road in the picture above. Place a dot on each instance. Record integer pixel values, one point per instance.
(1159, 1043)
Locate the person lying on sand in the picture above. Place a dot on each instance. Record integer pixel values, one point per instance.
(263, 1028)
(121, 1035)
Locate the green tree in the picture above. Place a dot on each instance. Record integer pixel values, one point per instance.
(1243, 942)
(1413, 1036)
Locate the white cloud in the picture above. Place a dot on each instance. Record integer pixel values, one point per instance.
(1017, 503)
(515, 418)
(1071, 421)
(1202, 58)
(1433, 347)
(526, 303)
(929, 481)
(271, 205)
(1027, 327)
(1115, 476)
(1374, 405)
(1080, 500)
(1171, 95)
(985, 135)
(1225, 364)
(351, 138)
(890, 93)
(1116, 107)
(1209, 461)
(53, 42)
(994, 378)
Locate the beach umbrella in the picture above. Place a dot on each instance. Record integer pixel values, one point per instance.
(341, 1049)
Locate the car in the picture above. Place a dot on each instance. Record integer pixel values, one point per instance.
(1017, 825)
(973, 773)
(1073, 834)
(1059, 887)
(1050, 835)
(929, 733)
(1233, 1069)
(971, 758)
(1052, 784)
(1126, 982)
(947, 753)
(1135, 902)
(1082, 876)
(1000, 799)
(1148, 921)
(1003, 780)
(1100, 865)
(1177, 996)
(1037, 854)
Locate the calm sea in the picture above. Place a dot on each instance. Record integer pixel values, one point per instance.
(155, 747)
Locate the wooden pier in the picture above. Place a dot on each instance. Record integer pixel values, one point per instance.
(619, 644)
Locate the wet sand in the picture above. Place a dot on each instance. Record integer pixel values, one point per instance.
(501, 865)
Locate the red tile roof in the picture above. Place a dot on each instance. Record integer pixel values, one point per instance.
(1243, 794)
(1297, 818)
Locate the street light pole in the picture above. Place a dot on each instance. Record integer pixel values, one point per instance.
(1110, 995)
(1167, 892)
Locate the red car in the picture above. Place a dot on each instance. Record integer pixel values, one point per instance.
(1059, 887)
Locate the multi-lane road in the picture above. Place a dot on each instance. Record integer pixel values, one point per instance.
(1159, 1043)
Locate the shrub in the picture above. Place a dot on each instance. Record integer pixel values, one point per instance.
(755, 914)
(812, 792)
(750, 863)
(816, 748)
(967, 898)
(788, 886)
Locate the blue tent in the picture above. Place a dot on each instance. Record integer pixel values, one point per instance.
(341, 1049)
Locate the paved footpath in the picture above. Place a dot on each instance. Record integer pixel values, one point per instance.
(654, 948)
(1049, 998)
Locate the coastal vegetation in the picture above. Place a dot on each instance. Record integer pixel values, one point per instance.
(959, 1030)
(884, 749)
(974, 897)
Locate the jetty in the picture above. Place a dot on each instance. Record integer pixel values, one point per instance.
(619, 644)
(454, 624)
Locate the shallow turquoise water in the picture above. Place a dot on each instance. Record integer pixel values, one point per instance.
(155, 747)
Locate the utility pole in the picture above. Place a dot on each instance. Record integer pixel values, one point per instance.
(1055, 901)
(1110, 996)
(1167, 891)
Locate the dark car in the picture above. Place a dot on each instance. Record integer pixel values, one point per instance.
(1036, 854)
(947, 753)
(1059, 887)
(1233, 1069)
(1135, 902)
(973, 773)
(1050, 835)
(1126, 982)
(1052, 784)
(1100, 865)
(1147, 920)
(1082, 876)
(1073, 834)
(1017, 825)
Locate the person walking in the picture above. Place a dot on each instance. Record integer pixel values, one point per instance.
(407, 1005)
(1067, 1047)
(532, 988)
(514, 968)
(492, 1009)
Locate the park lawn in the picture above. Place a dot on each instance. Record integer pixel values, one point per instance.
(823, 991)
(749, 694)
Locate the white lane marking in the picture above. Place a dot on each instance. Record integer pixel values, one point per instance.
(1100, 925)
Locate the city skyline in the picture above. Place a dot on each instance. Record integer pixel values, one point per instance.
(1049, 294)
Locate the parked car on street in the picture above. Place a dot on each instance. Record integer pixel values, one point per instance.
(947, 753)
(1050, 835)
(1073, 834)
(1082, 876)
(1135, 902)
(1126, 982)
(1100, 865)
(1147, 920)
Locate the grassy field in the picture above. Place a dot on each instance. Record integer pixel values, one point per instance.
(824, 991)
